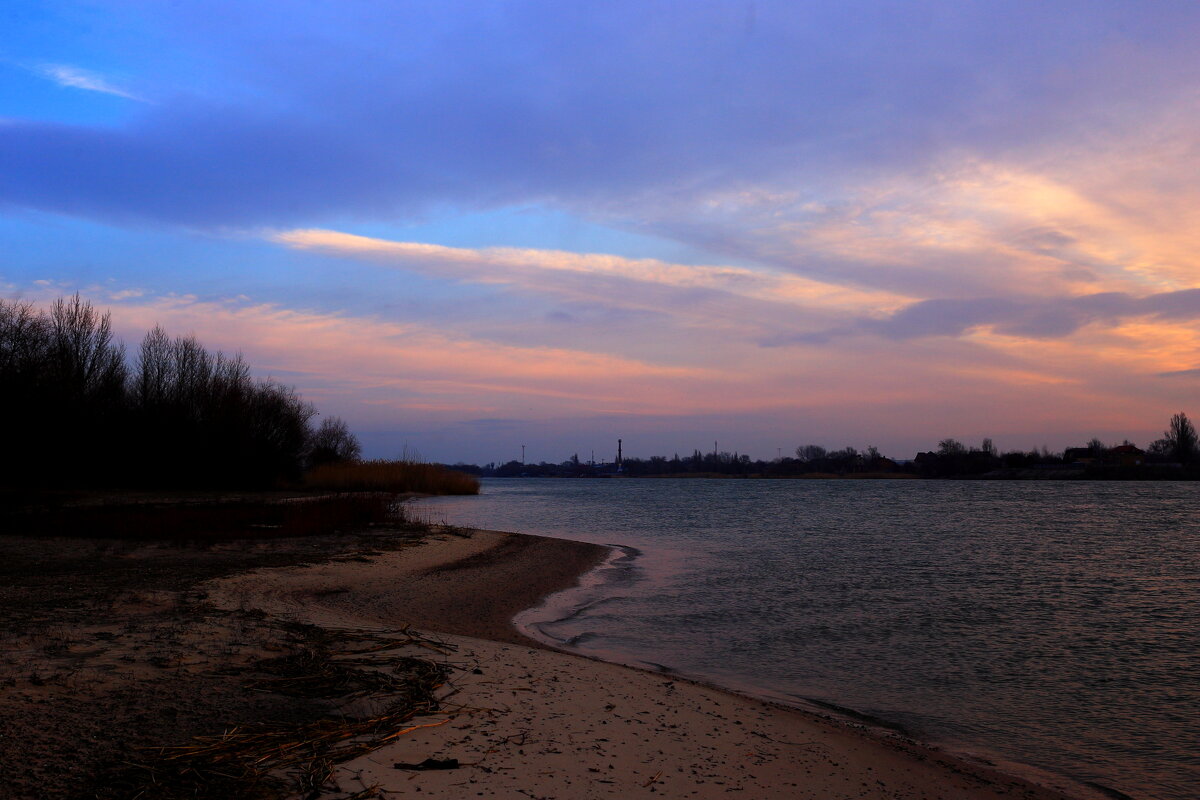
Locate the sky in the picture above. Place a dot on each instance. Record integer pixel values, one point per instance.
(465, 227)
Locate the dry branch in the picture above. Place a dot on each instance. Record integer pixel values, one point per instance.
(276, 762)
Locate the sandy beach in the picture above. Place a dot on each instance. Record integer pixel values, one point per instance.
(522, 721)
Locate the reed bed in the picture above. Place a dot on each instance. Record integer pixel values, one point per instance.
(401, 476)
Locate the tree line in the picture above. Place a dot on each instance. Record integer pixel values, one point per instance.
(79, 413)
(1176, 454)
(809, 459)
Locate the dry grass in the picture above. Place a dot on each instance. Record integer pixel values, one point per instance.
(108, 647)
(278, 761)
(390, 476)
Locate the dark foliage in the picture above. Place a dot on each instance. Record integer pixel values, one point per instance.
(78, 416)
(1181, 439)
(814, 460)
(333, 443)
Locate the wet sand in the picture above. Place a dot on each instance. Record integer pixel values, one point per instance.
(524, 721)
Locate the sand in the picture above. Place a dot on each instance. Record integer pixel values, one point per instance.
(524, 721)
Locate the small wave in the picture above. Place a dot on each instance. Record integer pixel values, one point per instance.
(595, 589)
(628, 551)
(580, 638)
(620, 568)
(1108, 791)
(857, 716)
(582, 608)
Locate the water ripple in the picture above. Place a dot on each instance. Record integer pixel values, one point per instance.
(1050, 623)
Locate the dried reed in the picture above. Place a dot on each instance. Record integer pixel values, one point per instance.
(209, 520)
(403, 475)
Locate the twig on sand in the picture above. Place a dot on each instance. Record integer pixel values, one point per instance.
(653, 780)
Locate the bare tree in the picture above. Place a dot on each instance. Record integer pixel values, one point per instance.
(951, 447)
(85, 361)
(155, 369)
(78, 416)
(810, 452)
(1181, 436)
(1160, 448)
(332, 442)
(23, 338)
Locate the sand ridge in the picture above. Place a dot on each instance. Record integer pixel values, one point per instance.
(470, 583)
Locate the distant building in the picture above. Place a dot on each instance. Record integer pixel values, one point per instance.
(1127, 455)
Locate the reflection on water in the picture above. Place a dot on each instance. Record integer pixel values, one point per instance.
(1050, 623)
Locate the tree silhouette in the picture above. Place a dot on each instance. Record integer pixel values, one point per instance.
(78, 416)
(951, 447)
(333, 442)
(810, 452)
(1181, 438)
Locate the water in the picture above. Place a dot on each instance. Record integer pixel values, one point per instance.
(1051, 624)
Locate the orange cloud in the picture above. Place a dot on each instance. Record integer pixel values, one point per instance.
(427, 369)
(532, 268)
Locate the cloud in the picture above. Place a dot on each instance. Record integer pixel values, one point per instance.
(711, 315)
(1021, 317)
(125, 294)
(1056, 219)
(954, 207)
(424, 380)
(1031, 318)
(399, 111)
(538, 269)
(777, 295)
(77, 78)
(412, 366)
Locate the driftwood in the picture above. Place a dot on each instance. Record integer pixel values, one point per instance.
(429, 763)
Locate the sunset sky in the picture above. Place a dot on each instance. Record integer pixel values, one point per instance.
(468, 226)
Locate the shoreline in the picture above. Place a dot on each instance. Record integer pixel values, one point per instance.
(553, 609)
(470, 590)
(530, 623)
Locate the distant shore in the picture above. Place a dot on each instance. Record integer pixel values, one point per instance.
(1056, 473)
